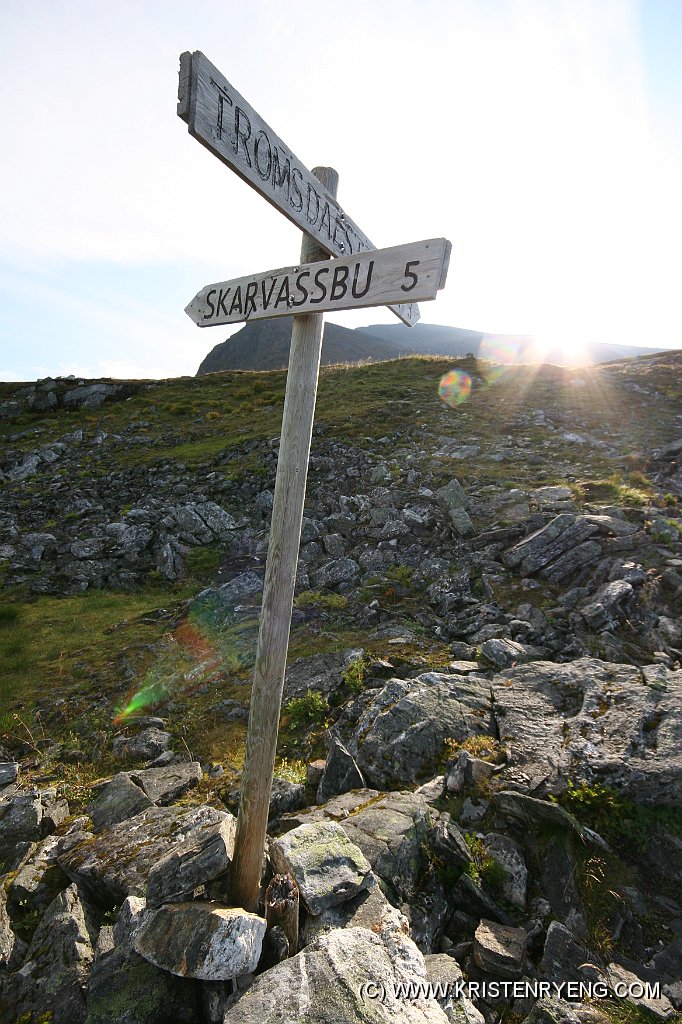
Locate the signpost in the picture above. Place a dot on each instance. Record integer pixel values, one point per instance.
(231, 129)
(361, 276)
(374, 278)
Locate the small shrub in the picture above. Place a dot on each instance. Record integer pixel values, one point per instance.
(355, 675)
(311, 709)
(617, 819)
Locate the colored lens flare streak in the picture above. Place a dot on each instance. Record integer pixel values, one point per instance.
(201, 650)
(455, 387)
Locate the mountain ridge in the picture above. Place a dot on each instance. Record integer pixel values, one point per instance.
(264, 345)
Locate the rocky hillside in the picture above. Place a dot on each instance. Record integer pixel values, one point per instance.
(478, 802)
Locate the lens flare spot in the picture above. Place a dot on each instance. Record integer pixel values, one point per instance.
(455, 387)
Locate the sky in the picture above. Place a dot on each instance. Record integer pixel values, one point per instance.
(543, 138)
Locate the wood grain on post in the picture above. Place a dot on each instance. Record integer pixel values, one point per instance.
(278, 593)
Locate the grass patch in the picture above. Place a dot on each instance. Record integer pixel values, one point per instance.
(617, 819)
(70, 644)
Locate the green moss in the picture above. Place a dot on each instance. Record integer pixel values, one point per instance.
(317, 599)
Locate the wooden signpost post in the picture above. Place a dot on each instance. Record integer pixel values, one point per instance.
(223, 122)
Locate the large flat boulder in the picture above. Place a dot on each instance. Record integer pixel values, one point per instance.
(327, 867)
(592, 720)
(196, 862)
(400, 737)
(350, 974)
(207, 941)
(392, 833)
(116, 863)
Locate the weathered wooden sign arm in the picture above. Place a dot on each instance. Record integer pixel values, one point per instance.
(222, 120)
(374, 278)
(278, 592)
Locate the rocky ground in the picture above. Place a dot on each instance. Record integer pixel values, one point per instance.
(481, 740)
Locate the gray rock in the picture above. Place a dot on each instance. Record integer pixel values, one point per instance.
(20, 820)
(39, 880)
(501, 653)
(285, 797)
(120, 799)
(336, 978)
(401, 735)
(500, 950)
(321, 673)
(557, 1011)
(393, 833)
(327, 867)
(445, 974)
(609, 603)
(619, 978)
(207, 941)
(341, 773)
(369, 909)
(669, 960)
(9, 771)
(55, 972)
(125, 988)
(449, 844)
(527, 810)
(116, 863)
(12, 949)
(192, 864)
(469, 897)
(166, 784)
(546, 546)
(145, 746)
(29, 467)
(558, 882)
(509, 855)
(588, 720)
(466, 772)
(55, 811)
(129, 540)
(565, 958)
(340, 570)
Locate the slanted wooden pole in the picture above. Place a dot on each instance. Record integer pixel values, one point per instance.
(278, 593)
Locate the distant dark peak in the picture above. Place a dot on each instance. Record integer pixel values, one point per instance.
(264, 345)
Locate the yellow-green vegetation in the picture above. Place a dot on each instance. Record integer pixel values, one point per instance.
(487, 748)
(292, 770)
(310, 709)
(317, 599)
(632, 488)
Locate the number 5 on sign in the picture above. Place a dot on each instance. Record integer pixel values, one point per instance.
(402, 273)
